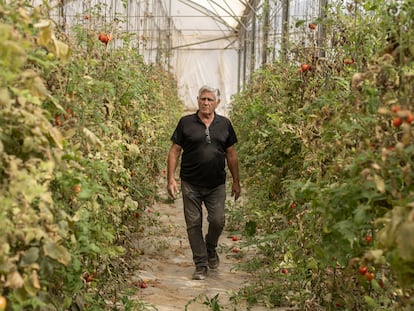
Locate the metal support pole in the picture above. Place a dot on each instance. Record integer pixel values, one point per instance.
(266, 28)
(239, 54)
(244, 57)
(169, 38)
(285, 30)
(253, 45)
(323, 6)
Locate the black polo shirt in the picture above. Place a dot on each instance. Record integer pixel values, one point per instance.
(203, 160)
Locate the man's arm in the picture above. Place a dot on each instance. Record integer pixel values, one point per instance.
(172, 162)
(233, 164)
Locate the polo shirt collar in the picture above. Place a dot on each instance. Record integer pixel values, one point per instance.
(214, 119)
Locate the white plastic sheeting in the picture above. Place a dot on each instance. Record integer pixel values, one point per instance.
(205, 49)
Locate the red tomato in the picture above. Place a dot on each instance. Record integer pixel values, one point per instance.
(103, 38)
(77, 188)
(395, 108)
(397, 122)
(369, 276)
(58, 120)
(409, 119)
(284, 271)
(88, 278)
(312, 26)
(305, 67)
(363, 270)
(368, 238)
(348, 61)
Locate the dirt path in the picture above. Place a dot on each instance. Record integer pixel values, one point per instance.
(166, 267)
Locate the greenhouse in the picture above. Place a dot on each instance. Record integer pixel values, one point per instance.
(207, 155)
(213, 42)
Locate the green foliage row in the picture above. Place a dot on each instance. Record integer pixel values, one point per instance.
(328, 169)
(82, 142)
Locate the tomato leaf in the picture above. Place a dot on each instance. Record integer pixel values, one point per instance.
(14, 280)
(250, 228)
(30, 256)
(57, 252)
(379, 182)
(405, 241)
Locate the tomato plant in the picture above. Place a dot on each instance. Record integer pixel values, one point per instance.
(339, 141)
(67, 196)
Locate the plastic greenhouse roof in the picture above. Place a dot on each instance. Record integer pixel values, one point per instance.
(206, 19)
(205, 51)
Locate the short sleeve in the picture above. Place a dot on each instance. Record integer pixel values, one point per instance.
(232, 138)
(177, 136)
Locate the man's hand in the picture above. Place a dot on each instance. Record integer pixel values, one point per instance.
(172, 188)
(173, 156)
(233, 164)
(235, 190)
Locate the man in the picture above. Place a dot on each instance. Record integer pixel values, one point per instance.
(207, 141)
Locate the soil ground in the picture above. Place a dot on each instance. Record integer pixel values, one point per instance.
(166, 267)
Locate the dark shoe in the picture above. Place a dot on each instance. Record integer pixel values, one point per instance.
(200, 273)
(213, 260)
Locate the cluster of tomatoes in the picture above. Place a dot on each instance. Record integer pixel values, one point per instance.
(401, 116)
(307, 67)
(349, 61)
(235, 238)
(364, 271)
(58, 117)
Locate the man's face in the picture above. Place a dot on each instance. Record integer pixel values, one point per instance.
(207, 102)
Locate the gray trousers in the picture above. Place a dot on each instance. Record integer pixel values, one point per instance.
(214, 201)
